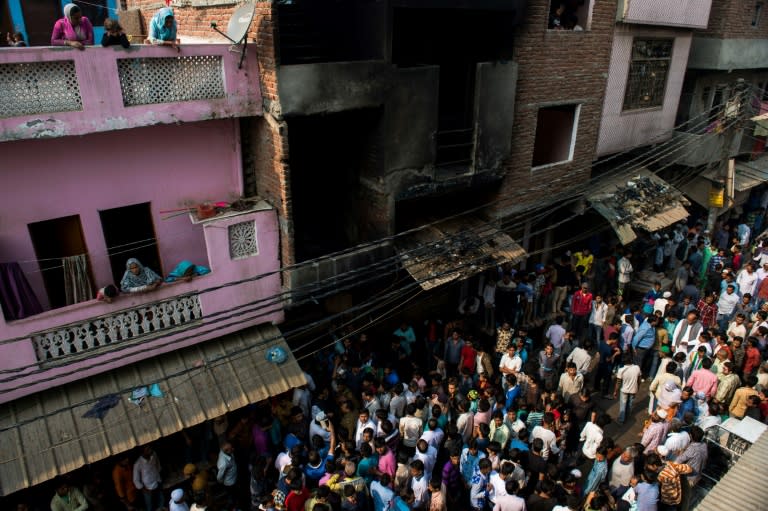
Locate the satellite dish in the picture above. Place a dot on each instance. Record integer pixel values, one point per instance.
(238, 26)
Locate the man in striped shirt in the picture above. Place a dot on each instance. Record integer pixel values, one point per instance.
(670, 482)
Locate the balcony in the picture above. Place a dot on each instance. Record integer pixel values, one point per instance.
(680, 13)
(728, 54)
(55, 92)
(69, 343)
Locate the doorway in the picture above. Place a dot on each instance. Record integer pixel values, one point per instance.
(129, 232)
(54, 240)
(39, 18)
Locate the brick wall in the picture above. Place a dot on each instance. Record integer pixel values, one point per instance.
(265, 142)
(196, 22)
(732, 19)
(556, 67)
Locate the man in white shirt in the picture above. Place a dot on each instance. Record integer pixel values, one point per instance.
(410, 428)
(597, 319)
(363, 422)
(427, 454)
(556, 334)
(544, 431)
(146, 478)
(628, 382)
(660, 305)
(419, 484)
(510, 501)
(737, 328)
(226, 471)
(581, 357)
(725, 305)
(465, 424)
(511, 362)
(624, 269)
(747, 280)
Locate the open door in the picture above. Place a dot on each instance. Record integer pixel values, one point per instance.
(54, 240)
(39, 18)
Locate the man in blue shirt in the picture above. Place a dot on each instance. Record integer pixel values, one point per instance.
(644, 339)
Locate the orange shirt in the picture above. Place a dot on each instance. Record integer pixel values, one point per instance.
(122, 477)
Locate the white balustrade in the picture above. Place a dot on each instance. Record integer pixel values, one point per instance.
(123, 326)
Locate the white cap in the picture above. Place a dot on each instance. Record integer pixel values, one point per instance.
(661, 413)
(667, 294)
(662, 450)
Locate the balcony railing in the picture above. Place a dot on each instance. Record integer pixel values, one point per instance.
(121, 327)
(679, 13)
(53, 92)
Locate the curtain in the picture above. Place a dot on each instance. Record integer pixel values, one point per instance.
(16, 296)
(77, 281)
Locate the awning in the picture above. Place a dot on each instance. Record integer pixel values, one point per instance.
(454, 250)
(641, 200)
(743, 486)
(45, 434)
(747, 175)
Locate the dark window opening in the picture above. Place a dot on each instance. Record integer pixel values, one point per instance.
(39, 18)
(129, 232)
(555, 135)
(413, 213)
(54, 240)
(95, 10)
(455, 40)
(569, 15)
(329, 154)
(6, 23)
(331, 31)
(648, 71)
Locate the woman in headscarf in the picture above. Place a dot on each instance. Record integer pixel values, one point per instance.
(162, 28)
(73, 29)
(138, 278)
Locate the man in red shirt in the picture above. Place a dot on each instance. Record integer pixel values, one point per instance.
(752, 357)
(581, 307)
(707, 311)
(468, 357)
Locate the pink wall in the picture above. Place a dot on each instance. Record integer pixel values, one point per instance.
(102, 100)
(621, 130)
(169, 166)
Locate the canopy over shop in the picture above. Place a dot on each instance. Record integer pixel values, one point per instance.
(639, 201)
(57, 431)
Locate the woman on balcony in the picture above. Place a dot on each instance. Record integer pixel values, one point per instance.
(138, 278)
(162, 28)
(73, 29)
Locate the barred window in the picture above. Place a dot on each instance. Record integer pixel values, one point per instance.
(648, 72)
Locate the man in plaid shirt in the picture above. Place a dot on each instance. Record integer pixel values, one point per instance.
(707, 311)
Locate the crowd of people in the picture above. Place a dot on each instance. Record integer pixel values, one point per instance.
(475, 414)
(488, 411)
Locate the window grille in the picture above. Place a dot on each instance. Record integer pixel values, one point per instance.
(242, 240)
(148, 81)
(648, 71)
(39, 87)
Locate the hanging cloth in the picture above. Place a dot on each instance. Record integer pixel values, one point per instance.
(17, 298)
(77, 281)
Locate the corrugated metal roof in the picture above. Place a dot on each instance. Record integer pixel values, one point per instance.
(45, 434)
(743, 487)
(456, 249)
(648, 210)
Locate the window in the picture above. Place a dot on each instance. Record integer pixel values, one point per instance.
(756, 16)
(242, 240)
(570, 15)
(59, 245)
(555, 135)
(648, 70)
(129, 232)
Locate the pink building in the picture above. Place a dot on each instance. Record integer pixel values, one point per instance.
(110, 154)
